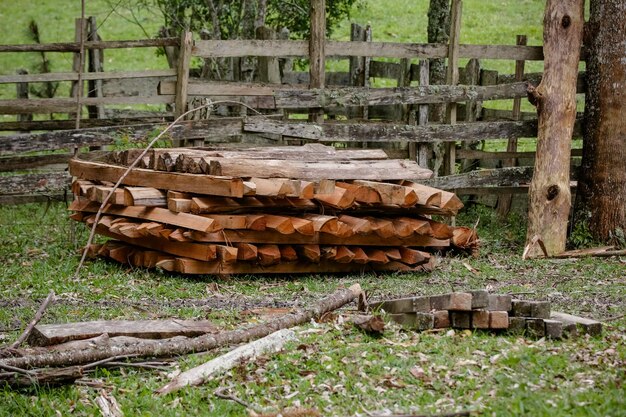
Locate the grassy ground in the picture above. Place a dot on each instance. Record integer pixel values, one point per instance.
(332, 367)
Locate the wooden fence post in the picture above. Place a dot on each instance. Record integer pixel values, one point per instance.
(549, 194)
(317, 57)
(471, 77)
(182, 79)
(95, 64)
(424, 150)
(21, 90)
(452, 78)
(268, 66)
(503, 206)
(80, 33)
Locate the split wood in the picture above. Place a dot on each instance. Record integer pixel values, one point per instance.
(169, 348)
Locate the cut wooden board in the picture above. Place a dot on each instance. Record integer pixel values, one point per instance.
(53, 334)
(390, 169)
(199, 184)
(156, 214)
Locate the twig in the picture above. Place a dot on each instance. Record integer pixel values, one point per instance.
(521, 293)
(614, 318)
(144, 365)
(219, 393)
(106, 361)
(16, 369)
(134, 164)
(34, 321)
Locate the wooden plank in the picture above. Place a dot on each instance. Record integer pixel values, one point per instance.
(53, 334)
(72, 76)
(250, 204)
(63, 105)
(392, 193)
(308, 170)
(317, 55)
(279, 48)
(75, 46)
(48, 182)
(199, 251)
(155, 214)
(26, 126)
(184, 60)
(144, 196)
(16, 163)
(273, 237)
(358, 96)
(199, 184)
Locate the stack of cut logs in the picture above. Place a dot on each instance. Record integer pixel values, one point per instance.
(286, 210)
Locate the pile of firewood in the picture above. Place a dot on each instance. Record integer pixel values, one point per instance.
(266, 210)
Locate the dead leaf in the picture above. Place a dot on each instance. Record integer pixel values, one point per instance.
(471, 268)
(369, 324)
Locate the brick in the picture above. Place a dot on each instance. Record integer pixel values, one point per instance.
(583, 325)
(404, 305)
(521, 308)
(554, 329)
(442, 319)
(480, 319)
(535, 327)
(517, 325)
(540, 309)
(424, 321)
(456, 301)
(480, 299)
(414, 321)
(461, 319)
(499, 302)
(498, 320)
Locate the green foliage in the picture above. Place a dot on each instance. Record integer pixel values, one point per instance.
(124, 141)
(581, 236)
(236, 19)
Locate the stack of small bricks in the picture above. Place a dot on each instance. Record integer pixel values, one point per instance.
(480, 310)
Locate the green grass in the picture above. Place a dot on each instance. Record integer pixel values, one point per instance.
(333, 367)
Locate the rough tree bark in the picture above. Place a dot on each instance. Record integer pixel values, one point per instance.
(555, 98)
(601, 194)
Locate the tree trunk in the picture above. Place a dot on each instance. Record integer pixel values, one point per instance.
(601, 198)
(555, 98)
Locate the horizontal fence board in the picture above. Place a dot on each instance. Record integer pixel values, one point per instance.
(362, 96)
(28, 125)
(285, 48)
(390, 133)
(535, 78)
(75, 46)
(64, 105)
(15, 163)
(66, 139)
(30, 183)
(85, 76)
(513, 176)
(332, 78)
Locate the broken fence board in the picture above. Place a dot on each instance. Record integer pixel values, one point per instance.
(53, 334)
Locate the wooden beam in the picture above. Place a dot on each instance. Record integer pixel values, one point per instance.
(199, 184)
(184, 60)
(75, 46)
(54, 334)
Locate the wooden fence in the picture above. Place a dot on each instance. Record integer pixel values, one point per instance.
(357, 114)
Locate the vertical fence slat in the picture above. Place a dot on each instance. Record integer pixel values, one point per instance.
(504, 201)
(317, 57)
(80, 34)
(452, 78)
(182, 79)
(423, 149)
(95, 65)
(21, 91)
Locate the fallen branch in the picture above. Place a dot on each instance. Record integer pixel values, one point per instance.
(198, 375)
(34, 321)
(170, 348)
(219, 393)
